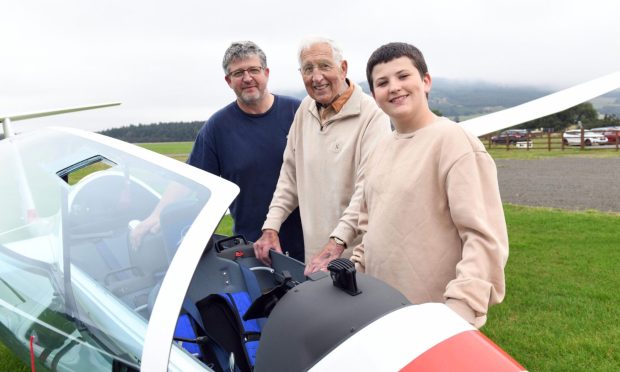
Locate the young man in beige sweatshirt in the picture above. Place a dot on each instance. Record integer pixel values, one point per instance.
(431, 208)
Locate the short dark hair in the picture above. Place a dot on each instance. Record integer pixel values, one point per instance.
(386, 53)
(240, 50)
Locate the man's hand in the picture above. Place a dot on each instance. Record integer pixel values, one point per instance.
(269, 240)
(330, 252)
(150, 225)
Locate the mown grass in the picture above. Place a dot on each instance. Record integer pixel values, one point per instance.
(540, 149)
(539, 154)
(226, 226)
(502, 153)
(169, 148)
(562, 310)
(180, 150)
(9, 362)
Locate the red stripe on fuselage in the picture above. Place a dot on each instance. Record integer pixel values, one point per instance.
(464, 352)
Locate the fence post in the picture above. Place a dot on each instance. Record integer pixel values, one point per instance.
(617, 135)
(548, 141)
(562, 139)
(528, 139)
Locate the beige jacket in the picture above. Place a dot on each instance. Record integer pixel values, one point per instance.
(323, 168)
(434, 220)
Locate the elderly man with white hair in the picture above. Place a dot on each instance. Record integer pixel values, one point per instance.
(334, 130)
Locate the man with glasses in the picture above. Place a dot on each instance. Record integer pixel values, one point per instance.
(243, 143)
(335, 129)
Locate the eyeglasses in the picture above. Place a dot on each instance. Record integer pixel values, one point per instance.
(308, 69)
(253, 71)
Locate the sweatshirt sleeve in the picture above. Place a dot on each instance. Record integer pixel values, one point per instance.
(477, 212)
(377, 128)
(358, 251)
(284, 199)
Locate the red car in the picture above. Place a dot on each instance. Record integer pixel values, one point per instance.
(610, 132)
(511, 136)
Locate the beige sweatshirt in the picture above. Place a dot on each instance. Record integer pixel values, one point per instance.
(323, 168)
(434, 220)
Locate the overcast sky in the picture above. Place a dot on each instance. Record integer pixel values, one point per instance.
(162, 59)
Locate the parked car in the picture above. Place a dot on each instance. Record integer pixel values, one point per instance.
(573, 138)
(610, 132)
(511, 136)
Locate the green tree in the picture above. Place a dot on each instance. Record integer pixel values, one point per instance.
(610, 120)
(159, 132)
(583, 112)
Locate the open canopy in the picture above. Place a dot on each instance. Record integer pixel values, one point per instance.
(71, 281)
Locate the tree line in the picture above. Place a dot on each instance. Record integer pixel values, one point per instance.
(158, 132)
(583, 113)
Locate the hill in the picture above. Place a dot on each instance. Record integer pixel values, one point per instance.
(456, 99)
(460, 99)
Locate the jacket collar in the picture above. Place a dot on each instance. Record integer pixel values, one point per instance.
(351, 107)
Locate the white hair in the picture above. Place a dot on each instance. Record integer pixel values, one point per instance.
(308, 42)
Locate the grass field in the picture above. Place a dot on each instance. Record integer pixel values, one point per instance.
(540, 150)
(169, 148)
(179, 151)
(561, 311)
(502, 153)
